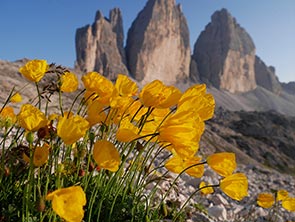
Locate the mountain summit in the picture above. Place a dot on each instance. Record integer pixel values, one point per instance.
(158, 43)
(225, 54)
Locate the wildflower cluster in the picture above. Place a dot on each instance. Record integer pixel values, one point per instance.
(280, 197)
(92, 161)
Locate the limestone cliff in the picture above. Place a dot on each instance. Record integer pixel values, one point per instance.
(99, 47)
(225, 55)
(265, 76)
(158, 43)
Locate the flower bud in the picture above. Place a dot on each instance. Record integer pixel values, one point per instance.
(40, 206)
(81, 173)
(30, 137)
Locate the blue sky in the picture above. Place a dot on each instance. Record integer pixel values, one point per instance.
(45, 29)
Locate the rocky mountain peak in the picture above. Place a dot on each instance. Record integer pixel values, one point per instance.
(159, 35)
(99, 47)
(225, 54)
(98, 16)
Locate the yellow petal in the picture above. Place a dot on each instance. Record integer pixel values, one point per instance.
(125, 86)
(223, 163)
(16, 98)
(68, 203)
(69, 82)
(31, 118)
(70, 129)
(206, 190)
(265, 200)
(282, 194)
(289, 204)
(106, 155)
(34, 70)
(235, 186)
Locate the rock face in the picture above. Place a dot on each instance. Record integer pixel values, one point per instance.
(100, 47)
(158, 43)
(265, 76)
(225, 54)
(289, 87)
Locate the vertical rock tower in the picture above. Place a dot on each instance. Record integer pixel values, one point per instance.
(100, 47)
(158, 43)
(225, 55)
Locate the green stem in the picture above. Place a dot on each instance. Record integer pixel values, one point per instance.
(189, 198)
(39, 95)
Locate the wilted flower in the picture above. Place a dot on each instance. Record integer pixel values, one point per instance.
(205, 190)
(34, 70)
(69, 82)
(265, 200)
(72, 128)
(235, 186)
(41, 155)
(31, 118)
(156, 94)
(289, 204)
(222, 163)
(177, 164)
(68, 203)
(106, 155)
(16, 98)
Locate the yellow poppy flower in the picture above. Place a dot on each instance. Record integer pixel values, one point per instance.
(177, 164)
(289, 204)
(156, 94)
(126, 131)
(183, 131)
(265, 200)
(106, 155)
(198, 101)
(125, 86)
(31, 118)
(69, 82)
(16, 98)
(7, 114)
(282, 194)
(68, 203)
(235, 186)
(96, 83)
(206, 190)
(223, 163)
(34, 70)
(95, 113)
(72, 128)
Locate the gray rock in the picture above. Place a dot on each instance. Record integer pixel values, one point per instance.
(265, 76)
(225, 54)
(100, 47)
(158, 43)
(218, 211)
